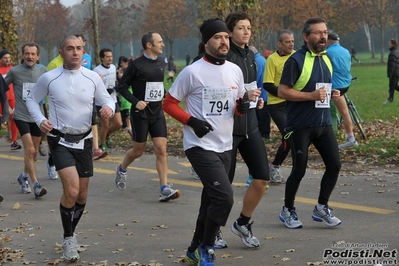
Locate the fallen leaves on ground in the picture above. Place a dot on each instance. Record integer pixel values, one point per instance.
(365, 156)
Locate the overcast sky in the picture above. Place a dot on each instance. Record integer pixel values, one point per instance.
(70, 2)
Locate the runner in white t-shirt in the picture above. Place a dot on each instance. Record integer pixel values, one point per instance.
(210, 87)
(107, 72)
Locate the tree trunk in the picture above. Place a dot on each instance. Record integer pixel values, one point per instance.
(96, 42)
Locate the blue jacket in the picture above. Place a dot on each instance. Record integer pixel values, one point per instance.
(261, 65)
(341, 61)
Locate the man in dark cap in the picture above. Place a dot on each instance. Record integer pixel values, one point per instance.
(210, 87)
(341, 80)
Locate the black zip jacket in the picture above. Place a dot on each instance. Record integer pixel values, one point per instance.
(244, 58)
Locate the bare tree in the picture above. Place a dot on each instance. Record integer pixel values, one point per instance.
(52, 25)
(8, 30)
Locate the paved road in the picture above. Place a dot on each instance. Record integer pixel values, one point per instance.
(133, 228)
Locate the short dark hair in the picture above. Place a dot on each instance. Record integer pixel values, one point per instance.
(103, 51)
(280, 34)
(311, 21)
(122, 59)
(31, 44)
(147, 37)
(232, 19)
(64, 39)
(81, 36)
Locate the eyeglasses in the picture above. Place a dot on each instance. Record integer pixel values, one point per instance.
(319, 32)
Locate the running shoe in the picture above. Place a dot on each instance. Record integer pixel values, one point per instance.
(98, 154)
(52, 173)
(245, 232)
(15, 146)
(325, 216)
(39, 190)
(347, 144)
(23, 180)
(205, 256)
(120, 179)
(192, 171)
(1, 198)
(290, 218)
(168, 193)
(190, 257)
(275, 174)
(249, 181)
(42, 149)
(108, 142)
(219, 241)
(70, 247)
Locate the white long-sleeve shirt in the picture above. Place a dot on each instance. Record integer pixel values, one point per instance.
(71, 96)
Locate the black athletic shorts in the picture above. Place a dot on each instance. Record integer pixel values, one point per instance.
(64, 157)
(343, 91)
(142, 126)
(28, 127)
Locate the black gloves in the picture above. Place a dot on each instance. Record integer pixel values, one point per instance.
(201, 128)
(242, 106)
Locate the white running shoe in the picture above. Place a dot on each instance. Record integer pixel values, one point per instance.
(219, 241)
(70, 247)
(120, 179)
(275, 174)
(168, 193)
(52, 173)
(325, 216)
(245, 232)
(347, 144)
(290, 218)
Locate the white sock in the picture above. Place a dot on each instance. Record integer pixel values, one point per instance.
(320, 207)
(351, 137)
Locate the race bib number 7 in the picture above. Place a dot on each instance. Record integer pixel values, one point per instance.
(26, 88)
(154, 91)
(217, 102)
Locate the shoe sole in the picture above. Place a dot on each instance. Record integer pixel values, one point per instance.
(191, 260)
(101, 156)
(171, 197)
(73, 259)
(319, 220)
(283, 220)
(42, 193)
(237, 233)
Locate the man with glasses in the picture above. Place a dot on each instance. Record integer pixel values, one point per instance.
(306, 85)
